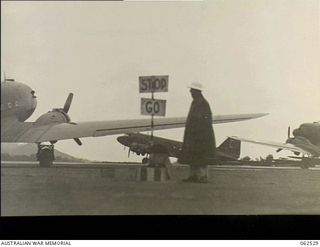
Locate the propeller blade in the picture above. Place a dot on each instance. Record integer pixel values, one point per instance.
(77, 140)
(288, 132)
(279, 149)
(68, 103)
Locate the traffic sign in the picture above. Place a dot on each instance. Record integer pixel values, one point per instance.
(156, 107)
(152, 84)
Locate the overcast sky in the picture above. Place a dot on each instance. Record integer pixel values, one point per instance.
(251, 56)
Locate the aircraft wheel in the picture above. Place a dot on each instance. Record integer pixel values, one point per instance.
(45, 157)
(45, 163)
(145, 160)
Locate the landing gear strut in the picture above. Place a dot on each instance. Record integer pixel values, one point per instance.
(45, 155)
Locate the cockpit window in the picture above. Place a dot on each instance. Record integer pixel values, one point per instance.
(33, 94)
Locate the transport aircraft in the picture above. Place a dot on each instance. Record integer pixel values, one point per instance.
(305, 141)
(141, 144)
(18, 102)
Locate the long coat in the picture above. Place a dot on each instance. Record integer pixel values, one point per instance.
(199, 146)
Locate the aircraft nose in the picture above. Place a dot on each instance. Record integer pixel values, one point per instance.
(33, 94)
(296, 132)
(123, 140)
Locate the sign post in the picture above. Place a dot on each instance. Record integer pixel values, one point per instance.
(152, 119)
(156, 107)
(153, 107)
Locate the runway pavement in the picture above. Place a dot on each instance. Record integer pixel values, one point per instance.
(112, 189)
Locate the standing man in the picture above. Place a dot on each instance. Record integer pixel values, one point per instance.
(199, 146)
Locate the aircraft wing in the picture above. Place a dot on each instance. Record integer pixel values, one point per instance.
(217, 119)
(29, 132)
(285, 146)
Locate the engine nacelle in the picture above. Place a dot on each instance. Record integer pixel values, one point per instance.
(54, 116)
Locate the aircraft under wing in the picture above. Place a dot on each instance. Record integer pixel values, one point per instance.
(31, 132)
(285, 146)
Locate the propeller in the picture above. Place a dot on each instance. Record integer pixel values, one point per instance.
(288, 135)
(65, 110)
(77, 140)
(67, 105)
(129, 151)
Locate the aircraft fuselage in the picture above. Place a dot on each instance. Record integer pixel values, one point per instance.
(141, 144)
(307, 137)
(310, 131)
(17, 100)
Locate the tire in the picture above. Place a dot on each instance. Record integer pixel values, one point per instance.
(45, 163)
(45, 158)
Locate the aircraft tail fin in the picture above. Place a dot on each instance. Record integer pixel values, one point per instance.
(231, 147)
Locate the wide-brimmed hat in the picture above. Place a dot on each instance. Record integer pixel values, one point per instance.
(196, 86)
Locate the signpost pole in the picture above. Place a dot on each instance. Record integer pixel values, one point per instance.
(154, 107)
(152, 97)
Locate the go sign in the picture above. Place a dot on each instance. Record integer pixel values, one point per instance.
(149, 84)
(156, 107)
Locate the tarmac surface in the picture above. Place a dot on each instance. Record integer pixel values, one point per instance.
(113, 189)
